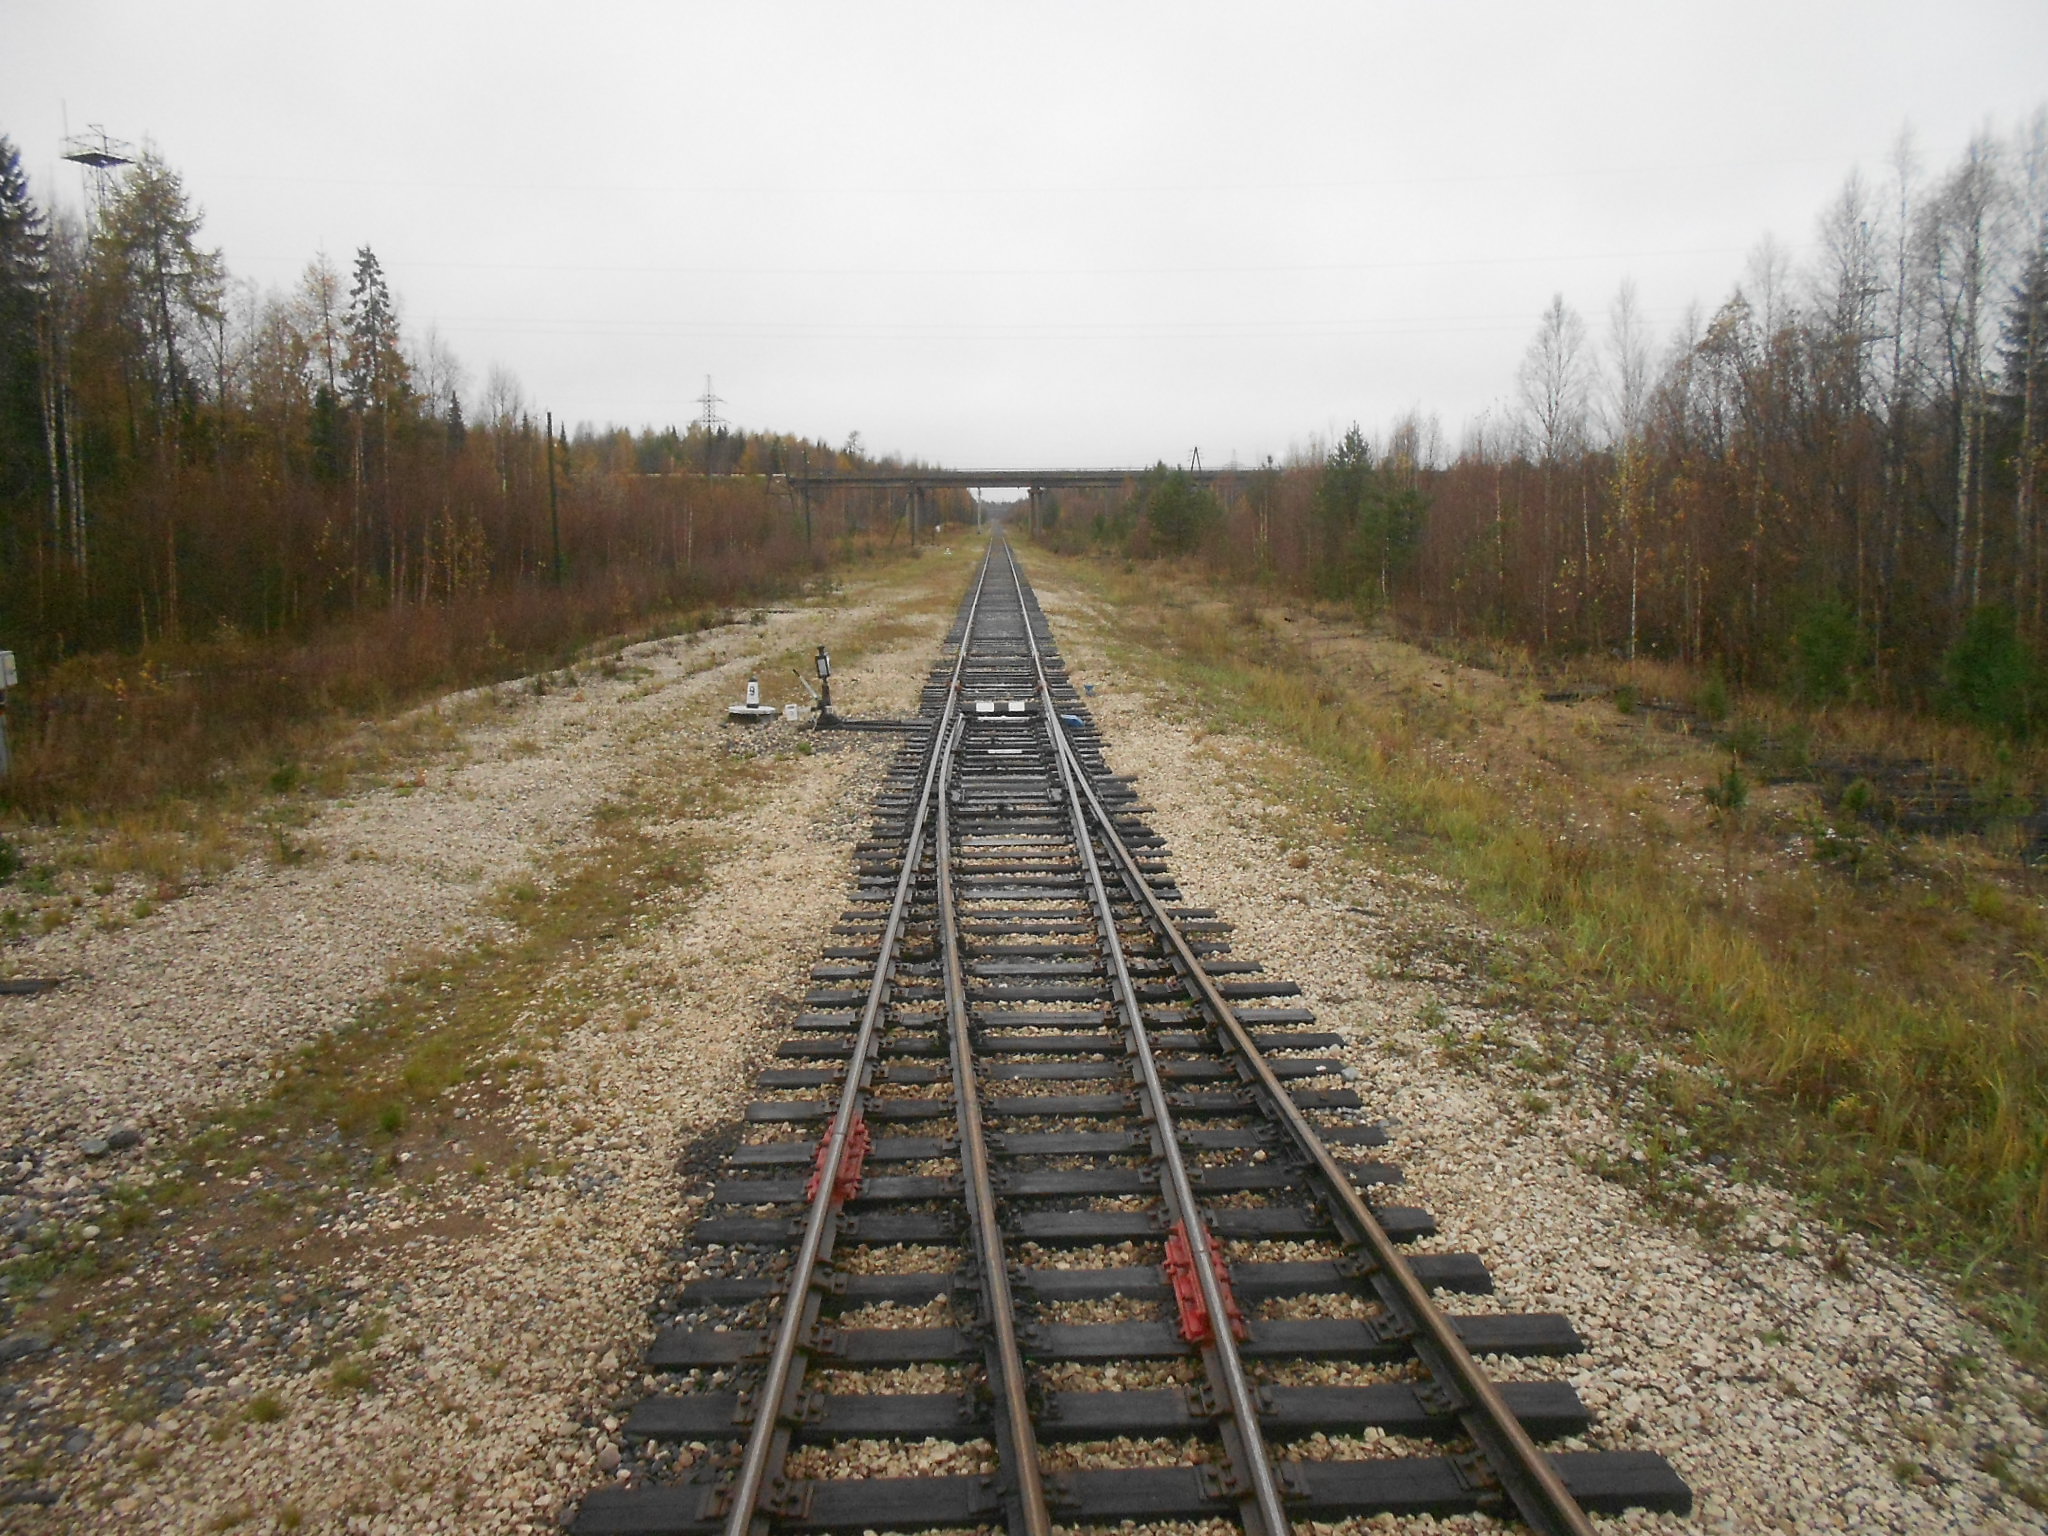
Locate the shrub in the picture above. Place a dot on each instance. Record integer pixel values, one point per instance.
(1730, 793)
(1746, 739)
(1712, 698)
(1859, 798)
(1178, 512)
(1988, 676)
(105, 731)
(1824, 648)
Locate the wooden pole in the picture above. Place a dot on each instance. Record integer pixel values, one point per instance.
(554, 511)
(807, 497)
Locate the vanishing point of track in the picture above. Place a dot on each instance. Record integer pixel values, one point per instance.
(1131, 1265)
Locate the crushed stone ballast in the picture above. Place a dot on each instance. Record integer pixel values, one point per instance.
(1056, 1216)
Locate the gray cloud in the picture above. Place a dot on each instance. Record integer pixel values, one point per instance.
(1078, 233)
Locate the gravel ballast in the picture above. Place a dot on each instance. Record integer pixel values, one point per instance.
(492, 1323)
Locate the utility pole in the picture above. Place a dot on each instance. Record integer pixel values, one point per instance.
(554, 511)
(806, 492)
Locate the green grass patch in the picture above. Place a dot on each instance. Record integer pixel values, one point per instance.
(350, 1376)
(1881, 1044)
(266, 1409)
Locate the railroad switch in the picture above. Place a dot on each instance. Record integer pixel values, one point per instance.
(851, 1166)
(1196, 1326)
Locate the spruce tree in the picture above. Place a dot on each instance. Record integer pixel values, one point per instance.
(1341, 494)
(1367, 526)
(374, 369)
(24, 295)
(1179, 511)
(327, 437)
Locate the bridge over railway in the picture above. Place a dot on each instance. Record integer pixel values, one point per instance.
(1034, 482)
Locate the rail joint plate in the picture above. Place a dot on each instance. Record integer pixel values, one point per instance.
(1439, 1399)
(1476, 1477)
(788, 1498)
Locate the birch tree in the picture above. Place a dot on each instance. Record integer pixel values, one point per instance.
(1628, 406)
(1553, 383)
(1959, 231)
(2026, 360)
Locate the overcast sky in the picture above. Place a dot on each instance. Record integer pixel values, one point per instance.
(1048, 234)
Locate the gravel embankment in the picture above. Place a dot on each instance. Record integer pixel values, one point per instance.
(1792, 1396)
(504, 1347)
(489, 1315)
(195, 1004)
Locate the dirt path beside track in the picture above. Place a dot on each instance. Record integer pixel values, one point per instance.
(431, 1338)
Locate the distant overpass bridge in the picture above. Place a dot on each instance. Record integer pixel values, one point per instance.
(1034, 482)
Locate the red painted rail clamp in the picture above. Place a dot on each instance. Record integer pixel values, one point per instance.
(852, 1166)
(1196, 1326)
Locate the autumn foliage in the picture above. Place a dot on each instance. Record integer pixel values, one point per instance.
(225, 511)
(1831, 484)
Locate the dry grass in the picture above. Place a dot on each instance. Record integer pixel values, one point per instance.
(1864, 1009)
(106, 734)
(155, 771)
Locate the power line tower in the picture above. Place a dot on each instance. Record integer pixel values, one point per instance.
(99, 158)
(710, 424)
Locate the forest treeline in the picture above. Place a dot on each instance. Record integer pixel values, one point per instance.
(1831, 483)
(222, 503)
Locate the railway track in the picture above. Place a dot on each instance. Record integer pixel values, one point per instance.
(1053, 1214)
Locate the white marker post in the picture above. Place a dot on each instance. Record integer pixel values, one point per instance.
(8, 679)
(753, 712)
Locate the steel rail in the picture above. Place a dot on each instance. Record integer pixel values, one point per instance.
(1258, 1490)
(1524, 1473)
(1016, 1439)
(776, 1400)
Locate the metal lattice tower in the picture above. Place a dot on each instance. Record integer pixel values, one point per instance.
(710, 420)
(101, 159)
